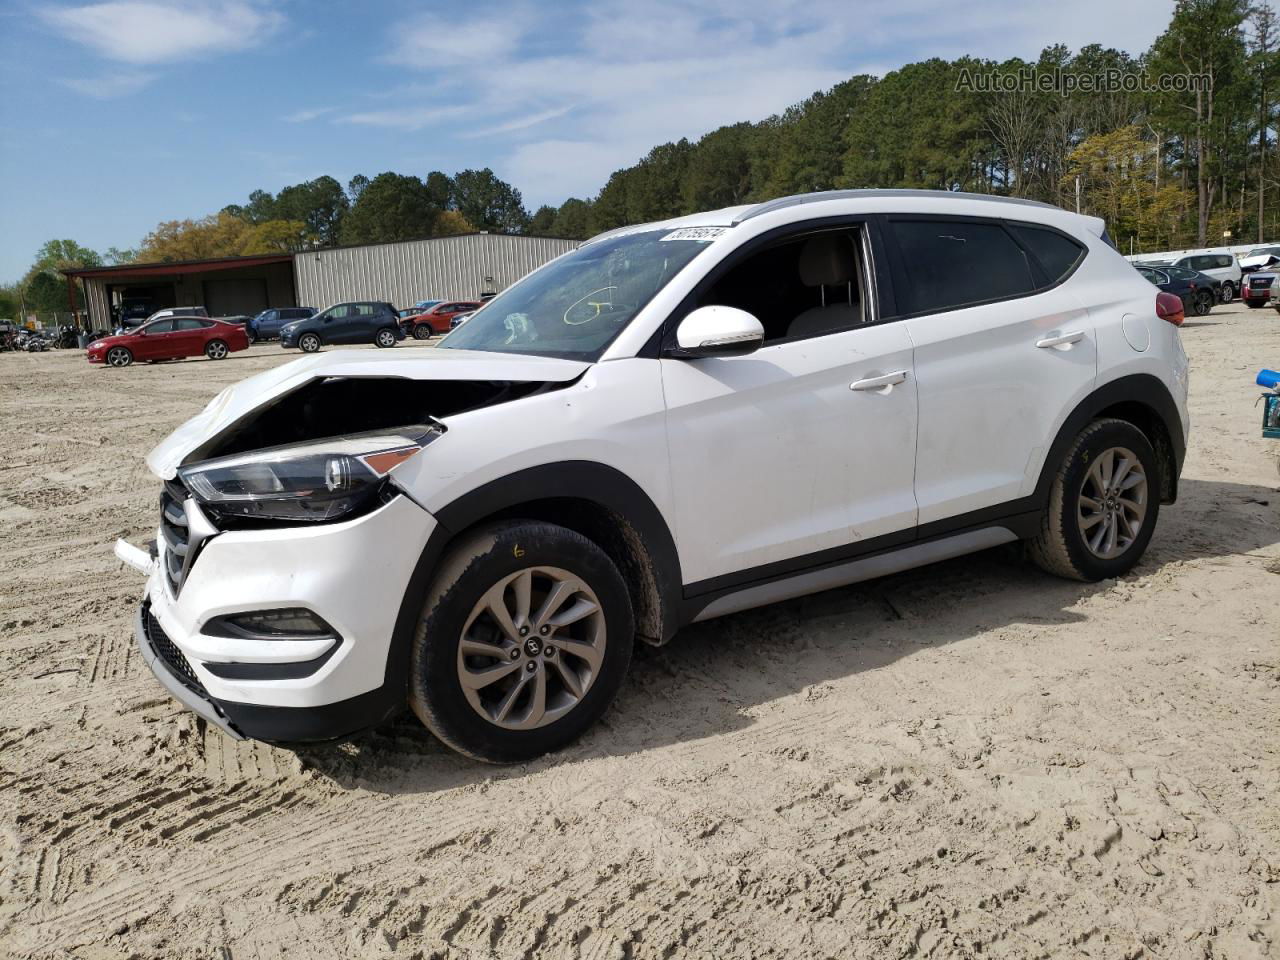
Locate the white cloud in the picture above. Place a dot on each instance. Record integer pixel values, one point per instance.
(519, 123)
(305, 116)
(148, 32)
(108, 86)
(409, 118)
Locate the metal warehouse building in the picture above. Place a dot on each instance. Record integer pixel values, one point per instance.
(442, 268)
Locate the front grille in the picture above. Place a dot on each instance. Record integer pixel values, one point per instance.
(173, 530)
(173, 658)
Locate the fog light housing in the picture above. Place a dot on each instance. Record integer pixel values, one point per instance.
(288, 623)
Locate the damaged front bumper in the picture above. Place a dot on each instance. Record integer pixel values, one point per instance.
(147, 633)
(354, 575)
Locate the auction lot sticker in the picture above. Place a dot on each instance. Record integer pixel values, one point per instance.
(701, 234)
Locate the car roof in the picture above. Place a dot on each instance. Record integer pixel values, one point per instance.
(937, 200)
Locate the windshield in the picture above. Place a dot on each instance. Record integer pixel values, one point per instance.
(576, 305)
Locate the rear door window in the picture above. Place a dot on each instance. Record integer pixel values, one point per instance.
(948, 264)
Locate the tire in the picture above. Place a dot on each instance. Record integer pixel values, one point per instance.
(1064, 545)
(422, 332)
(1228, 291)
(1255, 304)
(216, 350)
(386, 337)
(119, 357)
(493, 559)
(308, 343)
(1204, 303)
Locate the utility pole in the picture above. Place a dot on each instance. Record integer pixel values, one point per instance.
(1077, 193)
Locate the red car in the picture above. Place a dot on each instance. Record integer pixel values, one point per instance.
(436, 320)
(170, 338)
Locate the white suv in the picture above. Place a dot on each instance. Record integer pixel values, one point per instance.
(1219, 264)
(673, 422)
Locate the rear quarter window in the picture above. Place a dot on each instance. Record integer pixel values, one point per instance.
(1056, 253)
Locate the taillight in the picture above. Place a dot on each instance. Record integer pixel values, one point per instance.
(1169, 307)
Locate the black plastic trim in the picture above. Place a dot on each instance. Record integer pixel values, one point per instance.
(292, 670)
(328, 721)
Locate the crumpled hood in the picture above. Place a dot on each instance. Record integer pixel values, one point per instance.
(242, 398)
(1262, 260)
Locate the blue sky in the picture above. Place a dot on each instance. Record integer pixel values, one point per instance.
(117, 115)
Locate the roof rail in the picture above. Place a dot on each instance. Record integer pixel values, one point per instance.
(783, 203)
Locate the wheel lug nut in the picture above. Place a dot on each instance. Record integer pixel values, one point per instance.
(531, 666)
(544, 631)
(549, 651)
(524, 631)
(515, 653)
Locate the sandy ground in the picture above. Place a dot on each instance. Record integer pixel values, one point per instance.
(974, 759)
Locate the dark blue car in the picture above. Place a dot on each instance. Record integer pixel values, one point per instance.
(361, 321)
(267, 324)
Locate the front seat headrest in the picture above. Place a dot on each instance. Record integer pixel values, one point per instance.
(828, 260)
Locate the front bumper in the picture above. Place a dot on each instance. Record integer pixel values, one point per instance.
(354, 574)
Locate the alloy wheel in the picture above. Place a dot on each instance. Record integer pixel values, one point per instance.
(118, 357)
(386, 338)
(1112, 505)
(531, 648)
(216, 350)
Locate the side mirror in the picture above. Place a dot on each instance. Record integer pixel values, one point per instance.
(718, 332)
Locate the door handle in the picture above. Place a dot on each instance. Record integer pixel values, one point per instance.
(875, 383)
(1061, 340)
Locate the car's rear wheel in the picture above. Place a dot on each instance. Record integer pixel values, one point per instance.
(119, 356)
(308, 343)
(216, 350)
(385, 337)
(1103, 504)
(1204, 303)
(422, 332)
(524, 641)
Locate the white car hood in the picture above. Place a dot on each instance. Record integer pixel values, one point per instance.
(242, 398)
(1262, 260)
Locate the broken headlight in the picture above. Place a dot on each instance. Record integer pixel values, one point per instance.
(324, 480)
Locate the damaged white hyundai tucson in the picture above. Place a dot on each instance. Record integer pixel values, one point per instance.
(674, 422)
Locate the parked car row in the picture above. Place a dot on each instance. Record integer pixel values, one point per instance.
(177, 332)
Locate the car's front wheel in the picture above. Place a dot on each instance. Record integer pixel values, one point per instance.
(385, 338)
(523, 643)
(1103, 504)
(119, 356)
(308, 343)
(422, 332)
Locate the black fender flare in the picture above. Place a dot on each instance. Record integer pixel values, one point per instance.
(1142, 389)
